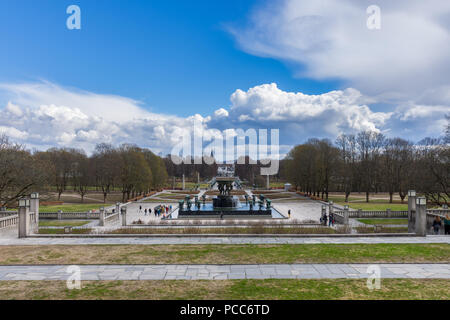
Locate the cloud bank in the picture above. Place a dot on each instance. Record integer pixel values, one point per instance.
(43, 115)
(329, 39)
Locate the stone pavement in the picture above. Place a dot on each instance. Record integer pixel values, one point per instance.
(223, 272)
(221, 240)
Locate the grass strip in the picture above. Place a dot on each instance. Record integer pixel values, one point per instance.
(225, 254)
(333, 289)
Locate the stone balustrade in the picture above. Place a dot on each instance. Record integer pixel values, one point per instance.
(9, 221)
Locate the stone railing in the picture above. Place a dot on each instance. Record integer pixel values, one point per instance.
(431, 215)
(339, 217)
(69, 215)
(4, 214)
(112, 217)
(374, 214)
(9, 221)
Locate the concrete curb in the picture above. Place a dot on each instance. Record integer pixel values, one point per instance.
(374, 235)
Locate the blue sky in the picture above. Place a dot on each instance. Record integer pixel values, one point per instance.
(142, 71)
(140, 49)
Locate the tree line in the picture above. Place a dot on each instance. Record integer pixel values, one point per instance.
(127, 168)
(370, 162)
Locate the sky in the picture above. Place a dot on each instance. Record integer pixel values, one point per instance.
(144, 71)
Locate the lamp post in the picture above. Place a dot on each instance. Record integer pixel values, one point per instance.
(346, 214)
(102, 217)
(34, 207)
(411, 210)
(24, 218)
(421, 216)
(123, 212)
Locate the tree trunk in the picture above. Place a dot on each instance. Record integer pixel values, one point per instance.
(367, 196)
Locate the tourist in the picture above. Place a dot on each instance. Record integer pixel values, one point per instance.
(325, 219)
(149, 211)
(331, 220)
(289, 213)
(436, 225)
(145, 211)
(447, 224)
(140, 209)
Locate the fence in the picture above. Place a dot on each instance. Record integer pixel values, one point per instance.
(112, 217)
(374, 214)
(69, 215)
(9, 221)
(4, 214)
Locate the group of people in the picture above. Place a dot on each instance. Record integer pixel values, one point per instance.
(437, 224)
(324, 219)
(160, 210)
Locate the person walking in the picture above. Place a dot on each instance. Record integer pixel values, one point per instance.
(447, 224)
(145, 211)
(289, 213)
(140, 209)
(436, 225)
(325, 219)
(331, 220)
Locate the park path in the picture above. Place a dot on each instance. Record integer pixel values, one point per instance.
(9, 237)
(224, 272)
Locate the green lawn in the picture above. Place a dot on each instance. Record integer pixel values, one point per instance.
(62, 223)
(61, 231)
(74, 207)
(383, 221)
(225, 254)
(278, 289)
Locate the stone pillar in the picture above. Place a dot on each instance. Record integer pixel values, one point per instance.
(34, 207)
(411, 210)
(268, 183)
(173, 183)
(198, 177)
(59, 214)
(346, 215)
(102, 217)
(331, 207)
(117, 208)
(183, 183)
(324, 210)
(389, 213)
(123, 212)
(24, 218)
(421, 216)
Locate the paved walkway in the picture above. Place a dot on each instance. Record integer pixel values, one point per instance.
(223, 272)
(13, 240)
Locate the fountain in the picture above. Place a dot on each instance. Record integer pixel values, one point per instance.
(225, 205)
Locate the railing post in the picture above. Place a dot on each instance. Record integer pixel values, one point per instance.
(24, 217)
(389, 213)
(34, 207)
(346, 215)
(102, 217)
(331, 207)
(123, 212)
(411, 210)
(59, 214)
(117, 208)
(421, 216)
